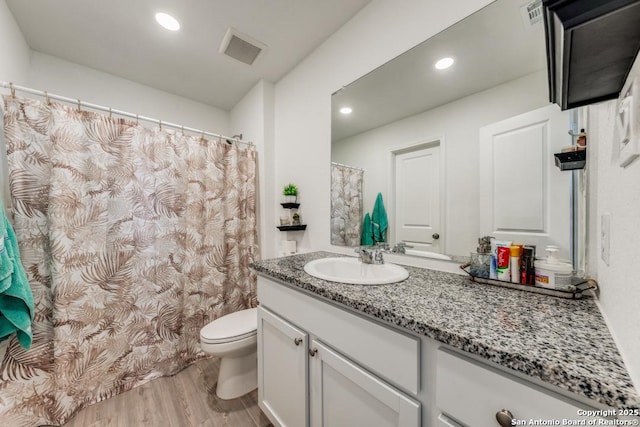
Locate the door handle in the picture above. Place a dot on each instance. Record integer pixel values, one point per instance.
(435, 236)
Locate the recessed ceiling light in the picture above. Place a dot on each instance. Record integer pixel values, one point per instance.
(167, 21)
(346, 110)
(444, 63)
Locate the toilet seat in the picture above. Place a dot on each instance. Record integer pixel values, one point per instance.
(231, 327)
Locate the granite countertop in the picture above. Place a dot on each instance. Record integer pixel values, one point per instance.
(562, 342)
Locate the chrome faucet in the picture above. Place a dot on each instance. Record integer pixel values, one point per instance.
(400, 248)
(370, 256)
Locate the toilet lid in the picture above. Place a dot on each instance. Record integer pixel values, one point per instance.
(231, 327)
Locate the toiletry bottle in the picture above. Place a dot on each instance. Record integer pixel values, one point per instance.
(526, 266)
(504, 272)
(515, 251)
(582, 140)
(552, 273)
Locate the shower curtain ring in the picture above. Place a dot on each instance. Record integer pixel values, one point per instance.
(110, 112)
(182, 130)
(46, 98)
(160, 124)
(202, 137)
(13, 90)
(79, 105)
(137, 122)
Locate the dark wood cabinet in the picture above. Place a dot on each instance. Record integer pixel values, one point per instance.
(591, 46)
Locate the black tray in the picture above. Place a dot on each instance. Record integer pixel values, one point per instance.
(577, 293)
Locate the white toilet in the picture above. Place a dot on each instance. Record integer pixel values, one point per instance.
(234, 338)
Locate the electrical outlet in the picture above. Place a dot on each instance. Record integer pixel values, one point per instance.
(605, 237)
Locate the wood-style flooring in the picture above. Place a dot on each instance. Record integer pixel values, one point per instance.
(187, 399)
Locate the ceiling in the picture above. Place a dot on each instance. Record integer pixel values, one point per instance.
(121, 37)
(490, 47)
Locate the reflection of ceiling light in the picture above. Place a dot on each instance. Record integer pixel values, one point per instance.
(167, 21)
(444, 63)
(346, 110)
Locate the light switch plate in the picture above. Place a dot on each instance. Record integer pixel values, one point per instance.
(628, 121)
(605, 237)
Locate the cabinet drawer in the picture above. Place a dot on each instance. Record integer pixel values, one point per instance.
(390, 354)
(472, 393)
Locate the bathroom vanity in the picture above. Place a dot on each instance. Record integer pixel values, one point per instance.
(433, 350)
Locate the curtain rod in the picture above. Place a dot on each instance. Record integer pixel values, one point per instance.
(110, 110)
(347, 166)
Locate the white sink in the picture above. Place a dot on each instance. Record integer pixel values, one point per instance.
(354, 272)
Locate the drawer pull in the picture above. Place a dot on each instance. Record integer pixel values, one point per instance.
(504, 417)
(297, 341)
(313, 352)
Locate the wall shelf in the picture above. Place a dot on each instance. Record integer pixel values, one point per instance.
(292, 227)
(290, 205)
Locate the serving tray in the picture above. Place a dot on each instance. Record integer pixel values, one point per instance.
(578, 291)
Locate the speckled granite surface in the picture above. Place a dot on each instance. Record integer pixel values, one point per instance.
(562, 342)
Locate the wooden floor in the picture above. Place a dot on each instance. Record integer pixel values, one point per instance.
(187, 399)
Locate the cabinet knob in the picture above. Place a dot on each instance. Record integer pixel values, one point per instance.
(504, 417)
(297, 341)
(312, 352)
(435, 236)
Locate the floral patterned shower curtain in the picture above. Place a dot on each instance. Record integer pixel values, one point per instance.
(132, 239)
(346, 205)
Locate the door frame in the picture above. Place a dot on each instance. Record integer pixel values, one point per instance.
(435, 141)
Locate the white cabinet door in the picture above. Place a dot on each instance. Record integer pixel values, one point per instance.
(344, 394)
(282, 370)
(473, 394)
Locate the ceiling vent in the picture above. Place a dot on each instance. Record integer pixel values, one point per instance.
(241, 47)
(532, 13)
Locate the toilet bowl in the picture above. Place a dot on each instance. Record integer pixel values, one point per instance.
(233, 338)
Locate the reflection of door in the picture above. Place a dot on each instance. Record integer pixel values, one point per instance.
(417, 195)
(524, 197)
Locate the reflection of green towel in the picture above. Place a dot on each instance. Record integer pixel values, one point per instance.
(379, 220)
(16, 300)
(367, 232)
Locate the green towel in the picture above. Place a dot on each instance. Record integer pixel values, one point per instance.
(367, 232)
(16, 300)
(379, 220)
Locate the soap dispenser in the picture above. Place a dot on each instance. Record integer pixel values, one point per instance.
(553, 273)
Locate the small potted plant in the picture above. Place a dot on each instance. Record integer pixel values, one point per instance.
(290, 193)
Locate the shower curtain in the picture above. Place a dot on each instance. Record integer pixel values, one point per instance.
(346, 205)
(132, 239)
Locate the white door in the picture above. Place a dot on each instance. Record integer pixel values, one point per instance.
(524, 197)
(344, 394)
(417, 200)
(282, 370)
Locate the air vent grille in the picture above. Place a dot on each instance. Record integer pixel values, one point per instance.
(241, 47)
(532, 12)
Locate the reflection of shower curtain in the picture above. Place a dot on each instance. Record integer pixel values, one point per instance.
(132, 239)
(346, 205)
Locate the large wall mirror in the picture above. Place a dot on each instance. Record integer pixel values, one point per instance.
(459, 152)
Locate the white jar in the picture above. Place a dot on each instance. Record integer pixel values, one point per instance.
(552, 273)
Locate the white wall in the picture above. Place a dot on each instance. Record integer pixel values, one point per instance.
(616, 191)
(253, 117)
(14, 66)
(457, 126)
(69, 79)
(378, 33)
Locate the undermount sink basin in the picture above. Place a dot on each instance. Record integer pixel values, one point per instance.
(353, 271)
